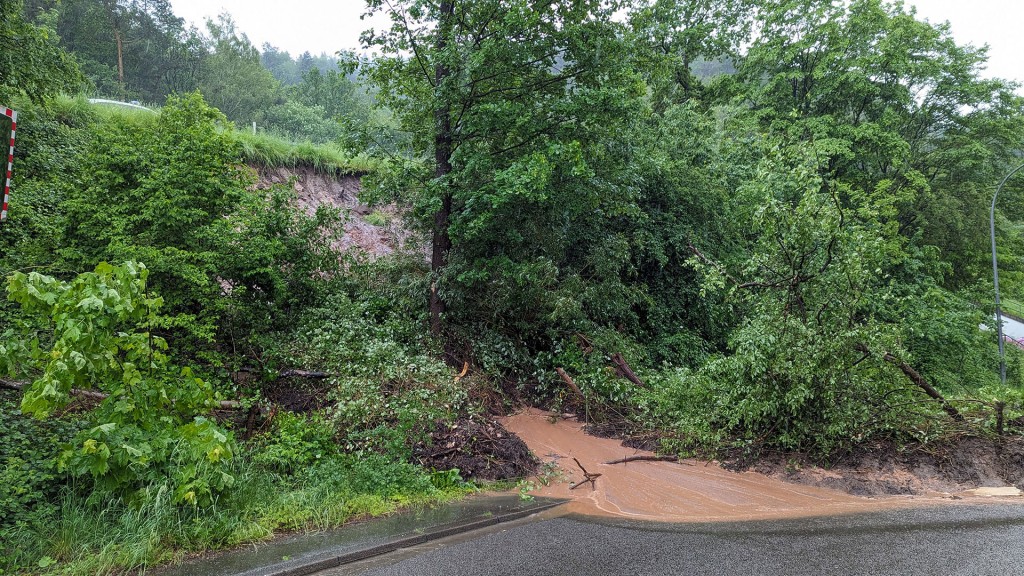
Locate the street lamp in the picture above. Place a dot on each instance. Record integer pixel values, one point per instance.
(995, 276)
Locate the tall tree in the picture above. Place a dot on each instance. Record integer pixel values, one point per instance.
(904, 109)
(503, 95)
(233, 79)
(280, 64)
(31, 61)
(679, 34)
(128, 48)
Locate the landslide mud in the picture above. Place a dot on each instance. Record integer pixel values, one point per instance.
(686, 491)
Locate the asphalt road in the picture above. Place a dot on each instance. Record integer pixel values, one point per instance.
(958, 539)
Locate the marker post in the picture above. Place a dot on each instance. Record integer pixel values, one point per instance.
(13, 115)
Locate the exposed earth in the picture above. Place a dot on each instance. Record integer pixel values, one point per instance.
(965, 464)
(374, 232)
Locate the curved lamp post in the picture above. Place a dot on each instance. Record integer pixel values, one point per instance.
(995, 275)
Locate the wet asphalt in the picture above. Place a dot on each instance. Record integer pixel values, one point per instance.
(960, 539)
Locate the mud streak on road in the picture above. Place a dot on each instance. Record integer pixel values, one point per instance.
(675, 492)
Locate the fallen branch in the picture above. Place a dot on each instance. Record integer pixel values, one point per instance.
(919, 380)
(304, 374)
(465, 370)
(570, 383)
(644, 458)
(12, 385)
(623, 370)
(292, 373)
(587, 477)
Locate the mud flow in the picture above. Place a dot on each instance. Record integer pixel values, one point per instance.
(684, 491)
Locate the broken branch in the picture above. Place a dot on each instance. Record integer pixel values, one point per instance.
(570, 383)
(623, 370)
(645, 458)
(919, 380)
(587, 477)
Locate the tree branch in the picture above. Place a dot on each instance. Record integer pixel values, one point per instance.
(919, 380)
(20, 386)
(645, 458)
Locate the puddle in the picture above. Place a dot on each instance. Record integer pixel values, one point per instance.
(687, 491)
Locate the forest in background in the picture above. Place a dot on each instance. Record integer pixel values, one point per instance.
(736, 226)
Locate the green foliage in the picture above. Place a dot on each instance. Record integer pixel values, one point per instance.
(530, 118)
(675, 38)
(51, 142)
(131, 204)
(232, 79)
(96, 534)
(31, 61)
(297, 122)
(128, 49)
(295, 443)
(902, 106)
(388, 388)
(28, 467)
(149, 429)
(765, 249)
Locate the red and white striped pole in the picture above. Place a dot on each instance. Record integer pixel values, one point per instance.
(13, 115)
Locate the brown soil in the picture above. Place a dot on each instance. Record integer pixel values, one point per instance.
(691, 490)
(480, 448)
(299, 395)
(314, 189)
(884, 469)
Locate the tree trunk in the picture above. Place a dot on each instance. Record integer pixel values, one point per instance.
(120, 60)
(442, 242)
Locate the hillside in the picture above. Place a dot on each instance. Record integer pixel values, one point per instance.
(374, 232)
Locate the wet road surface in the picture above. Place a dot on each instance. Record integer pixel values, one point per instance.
(960, 539)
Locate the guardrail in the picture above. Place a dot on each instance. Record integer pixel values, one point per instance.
(1012, 311)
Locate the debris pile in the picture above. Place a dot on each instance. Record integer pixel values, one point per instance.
(479, 447)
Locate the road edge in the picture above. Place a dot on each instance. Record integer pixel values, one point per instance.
(304, 567)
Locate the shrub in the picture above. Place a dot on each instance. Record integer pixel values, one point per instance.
(150, 429)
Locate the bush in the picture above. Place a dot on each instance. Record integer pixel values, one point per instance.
(28, 465)
(149, 430)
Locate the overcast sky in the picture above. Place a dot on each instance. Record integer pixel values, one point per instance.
(331, 25)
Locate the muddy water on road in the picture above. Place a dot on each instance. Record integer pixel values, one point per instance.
(672, 492)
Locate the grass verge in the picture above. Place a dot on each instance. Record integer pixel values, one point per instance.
(275, 152)
(90, 533)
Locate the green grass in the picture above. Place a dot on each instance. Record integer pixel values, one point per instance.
(275, 152)
(1012, 307)
(93, 534)
(262, 149)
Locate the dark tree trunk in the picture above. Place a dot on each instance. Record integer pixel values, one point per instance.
(442, 242)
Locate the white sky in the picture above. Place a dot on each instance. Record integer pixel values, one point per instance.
(331, 25)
